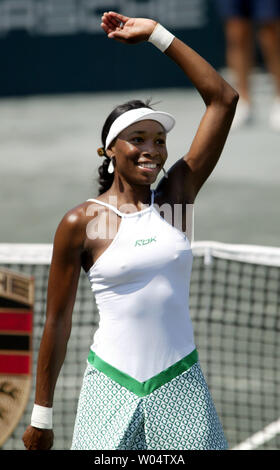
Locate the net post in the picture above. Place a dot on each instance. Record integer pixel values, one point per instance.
(208, 257)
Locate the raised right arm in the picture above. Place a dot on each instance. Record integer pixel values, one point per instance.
(62, 288)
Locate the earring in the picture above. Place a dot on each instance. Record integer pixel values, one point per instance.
(165, 173)
(111, 167)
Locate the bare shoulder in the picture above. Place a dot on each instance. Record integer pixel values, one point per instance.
(71, 229)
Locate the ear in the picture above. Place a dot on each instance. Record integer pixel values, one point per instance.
(111, 150)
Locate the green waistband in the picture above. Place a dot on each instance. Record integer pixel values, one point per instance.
(143, 388)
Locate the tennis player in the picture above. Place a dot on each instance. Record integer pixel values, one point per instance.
(143, 387)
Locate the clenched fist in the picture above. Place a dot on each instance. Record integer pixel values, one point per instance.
(38, 439)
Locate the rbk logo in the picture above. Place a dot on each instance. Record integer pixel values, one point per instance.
(145, 242)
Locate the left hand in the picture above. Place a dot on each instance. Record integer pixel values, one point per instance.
(125, 29)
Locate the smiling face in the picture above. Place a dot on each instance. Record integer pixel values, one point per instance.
(136, 148)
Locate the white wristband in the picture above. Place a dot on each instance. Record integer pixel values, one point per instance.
(161, 37)
(41, 417)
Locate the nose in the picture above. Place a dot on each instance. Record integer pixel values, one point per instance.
(150, 150)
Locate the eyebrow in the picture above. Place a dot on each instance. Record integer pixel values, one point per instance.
(144, 132)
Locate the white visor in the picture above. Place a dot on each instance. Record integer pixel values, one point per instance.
(135, 115)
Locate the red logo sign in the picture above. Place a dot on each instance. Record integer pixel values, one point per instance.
(16, 324)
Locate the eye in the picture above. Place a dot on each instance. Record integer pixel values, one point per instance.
(160, 141)
(137, 139)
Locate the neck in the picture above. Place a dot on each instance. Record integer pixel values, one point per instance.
(130, 194)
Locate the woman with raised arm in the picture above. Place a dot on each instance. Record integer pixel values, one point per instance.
(143, 387)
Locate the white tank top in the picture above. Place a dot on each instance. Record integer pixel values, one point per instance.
(141, 286)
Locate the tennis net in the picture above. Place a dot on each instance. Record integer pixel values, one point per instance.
(234, 306)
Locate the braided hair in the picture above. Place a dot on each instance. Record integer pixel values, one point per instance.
(106, 179)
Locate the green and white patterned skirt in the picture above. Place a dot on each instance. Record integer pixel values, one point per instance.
(172, 411)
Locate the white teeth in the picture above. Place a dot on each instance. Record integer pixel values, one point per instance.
(147, 165)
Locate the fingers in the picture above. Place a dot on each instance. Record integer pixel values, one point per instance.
(106, 28)
(109, 23)
(109, 31)
(118, 34)
(120, 17)
(112, 21)
(113, 24)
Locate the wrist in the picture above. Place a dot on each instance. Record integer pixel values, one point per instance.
(161, 37)
(41, 417)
